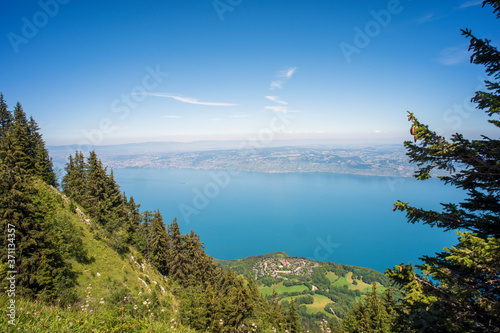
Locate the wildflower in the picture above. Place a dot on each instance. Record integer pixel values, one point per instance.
(162, 310)
(91, 310)
(121, 318)
(135, 307)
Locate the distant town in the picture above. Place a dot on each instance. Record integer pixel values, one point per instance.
(282, 267)
(376, 160)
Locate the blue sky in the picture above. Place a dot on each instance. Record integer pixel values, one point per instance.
(108, 72)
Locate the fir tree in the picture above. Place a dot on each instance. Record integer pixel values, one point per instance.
(463, 294)
(293, 318)
(133, 222)
(276, 312)
(145, 232)
(20, 138)
(73, 182)
(42, 163)
(371, 314)
(159, 244)
(5, 117)
(178, 257)
(96, 182)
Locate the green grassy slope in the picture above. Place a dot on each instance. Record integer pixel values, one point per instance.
(116, 293)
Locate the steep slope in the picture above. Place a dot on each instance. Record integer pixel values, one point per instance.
(113, 292)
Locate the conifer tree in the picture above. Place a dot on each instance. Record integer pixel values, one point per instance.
(159, 244)
(145, 232)
(96, 182)
(276, 312)
(20, 139)
(116, 209)
(293, 318)
(371, 314)
(42, 162)
(463, 294)
(133, 222)
(5, 117)
(178, 256)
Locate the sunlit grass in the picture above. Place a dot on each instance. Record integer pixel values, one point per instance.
(280, 289)
(38, 317)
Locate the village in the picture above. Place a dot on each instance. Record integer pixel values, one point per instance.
(279, 268)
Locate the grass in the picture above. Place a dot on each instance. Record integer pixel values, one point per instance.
(341, 281)
(318, 305)
(348, 280)
(37, 317)
(116, 293)
(332, 276)
(280, 289)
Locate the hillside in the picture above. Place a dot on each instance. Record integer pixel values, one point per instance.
(112, 292)
(319, 288)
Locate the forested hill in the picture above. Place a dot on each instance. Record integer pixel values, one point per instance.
(321, 289)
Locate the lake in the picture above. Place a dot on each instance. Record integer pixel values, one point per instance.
(344, 219)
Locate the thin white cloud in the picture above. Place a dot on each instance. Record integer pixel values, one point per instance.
(427, 18)
(276, 99)
(471, 3)
(378, 132)
(172, 117)
(289, 73)
(187, 99)
(285, 76)
(239, 116)
(454, 55)
(276, 84)
(277, 108)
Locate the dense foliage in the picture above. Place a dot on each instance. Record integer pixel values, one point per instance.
(459, 288)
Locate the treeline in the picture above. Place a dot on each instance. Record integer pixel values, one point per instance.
(32, 228)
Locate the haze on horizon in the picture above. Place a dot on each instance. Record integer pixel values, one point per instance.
(101, 73)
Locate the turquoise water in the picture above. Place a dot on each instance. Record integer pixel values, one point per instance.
(345, 219)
